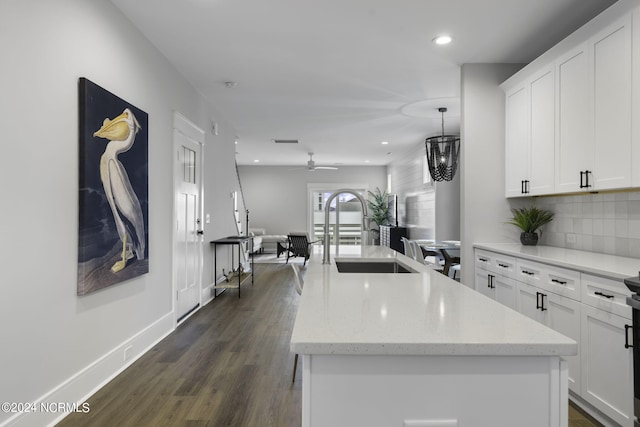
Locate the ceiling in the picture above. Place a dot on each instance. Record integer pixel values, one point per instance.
(342, 76)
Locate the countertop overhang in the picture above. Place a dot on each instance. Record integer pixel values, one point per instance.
(424, 313)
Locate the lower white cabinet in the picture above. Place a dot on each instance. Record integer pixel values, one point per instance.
(607, 364)
(589, 309)
(560, 313)
(499, 288)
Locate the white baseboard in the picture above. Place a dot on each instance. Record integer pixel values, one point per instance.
(78, 388)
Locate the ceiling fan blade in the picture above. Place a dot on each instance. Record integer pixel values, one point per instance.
(326, 167)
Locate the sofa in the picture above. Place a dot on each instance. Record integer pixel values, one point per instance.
(263, 242)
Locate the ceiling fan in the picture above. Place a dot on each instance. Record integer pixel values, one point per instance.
(311, 165)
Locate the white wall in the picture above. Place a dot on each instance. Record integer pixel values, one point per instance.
(483, 208)
(57, 346)
(276, 196)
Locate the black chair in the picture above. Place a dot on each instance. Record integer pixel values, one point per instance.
(449, 262)
(299, 245)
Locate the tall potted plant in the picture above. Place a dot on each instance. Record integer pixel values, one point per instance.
(529, 220)
(378, 208)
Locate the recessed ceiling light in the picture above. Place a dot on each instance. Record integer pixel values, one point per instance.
(385, 142)
(256, 161)
(366, 161)
(442, 39)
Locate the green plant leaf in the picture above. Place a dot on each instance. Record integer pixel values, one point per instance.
(378, 206)
(530, 219)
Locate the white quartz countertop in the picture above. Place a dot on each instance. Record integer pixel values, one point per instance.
(424, 313)
(614, 267)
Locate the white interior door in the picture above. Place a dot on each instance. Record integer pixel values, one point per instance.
(188, 231)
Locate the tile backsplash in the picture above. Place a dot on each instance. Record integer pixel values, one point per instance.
(605, 222)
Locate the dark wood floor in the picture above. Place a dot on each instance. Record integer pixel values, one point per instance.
(228, 365)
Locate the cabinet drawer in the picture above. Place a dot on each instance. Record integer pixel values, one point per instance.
(483, 259)
(504, 265)
(606, 294)
(561, 281)
(529, 272)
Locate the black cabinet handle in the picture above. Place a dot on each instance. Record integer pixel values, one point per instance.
(603, 295)
(540, 301)
(528, 273)
(483, 259)
(490, 278)
(558, 281)
(524, 187)
(521, 187)
(626, 336)
(503, 265)
(584, 179)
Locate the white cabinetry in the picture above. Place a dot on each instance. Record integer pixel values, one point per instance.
(611, 68)
(605, 341)
(568, 124)
(635, 97)
(560, 313)
(588, 309)
(574, 140)
(517, 133)
(542, 131)
(593, 148)
(494, 278)
(530, 129)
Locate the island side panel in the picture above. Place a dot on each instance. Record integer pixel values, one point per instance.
(389, 390)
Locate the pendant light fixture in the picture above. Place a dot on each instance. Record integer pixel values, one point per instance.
(442, 154)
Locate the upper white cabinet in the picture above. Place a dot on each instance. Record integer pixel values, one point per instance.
(569, 124)
(611, 68)
(517, 133)
(530, 130)
(574, 144)
(635, 96)
(542, 131)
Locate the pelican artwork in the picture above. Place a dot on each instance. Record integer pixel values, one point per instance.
(125, 206)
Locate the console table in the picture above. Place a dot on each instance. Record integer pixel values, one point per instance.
(242, 275)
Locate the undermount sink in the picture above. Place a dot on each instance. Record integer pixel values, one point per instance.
(372, 267)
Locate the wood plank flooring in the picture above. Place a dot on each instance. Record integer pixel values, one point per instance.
(228, 365)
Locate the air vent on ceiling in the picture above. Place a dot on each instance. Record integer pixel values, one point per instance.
(286, 141)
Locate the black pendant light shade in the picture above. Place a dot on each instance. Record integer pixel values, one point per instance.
(442, 154)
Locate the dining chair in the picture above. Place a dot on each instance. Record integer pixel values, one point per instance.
(432, 258)
(416, 250)
(450, 261)
(299, 284)
(408, 249)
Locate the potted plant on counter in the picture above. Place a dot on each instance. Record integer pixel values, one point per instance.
(529, 220)
(378, 208)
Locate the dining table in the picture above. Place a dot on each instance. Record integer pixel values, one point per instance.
(444, 247)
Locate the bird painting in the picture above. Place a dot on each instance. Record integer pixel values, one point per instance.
(121, 133)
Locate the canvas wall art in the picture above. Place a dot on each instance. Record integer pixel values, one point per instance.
(113, 244)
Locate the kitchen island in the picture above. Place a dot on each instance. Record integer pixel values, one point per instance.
(420, 349)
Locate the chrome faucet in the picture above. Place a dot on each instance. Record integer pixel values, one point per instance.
(365, 223)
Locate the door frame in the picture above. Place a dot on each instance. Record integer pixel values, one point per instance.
(188, 129)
